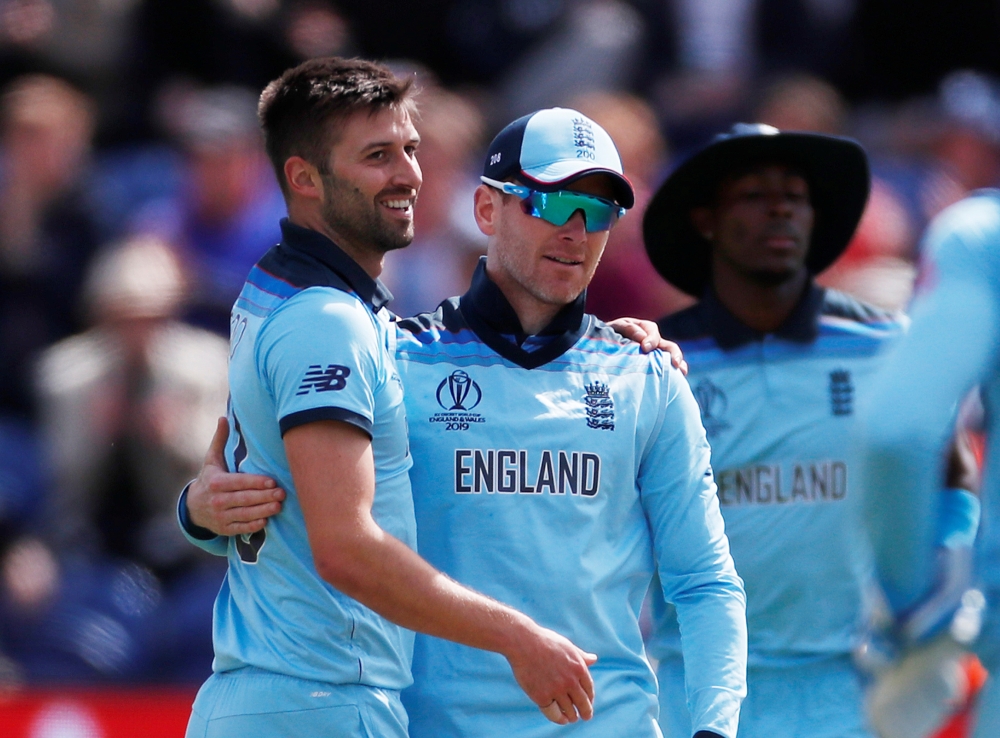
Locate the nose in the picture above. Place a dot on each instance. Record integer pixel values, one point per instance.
(780, 204)
(574, 229)
(407, 172)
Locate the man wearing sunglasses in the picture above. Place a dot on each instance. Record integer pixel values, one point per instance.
(556, 466)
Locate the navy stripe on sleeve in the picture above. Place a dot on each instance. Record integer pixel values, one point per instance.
(324, 413)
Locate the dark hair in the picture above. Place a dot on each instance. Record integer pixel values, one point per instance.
(296, 109)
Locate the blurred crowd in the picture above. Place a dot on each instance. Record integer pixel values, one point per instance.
(135, 196)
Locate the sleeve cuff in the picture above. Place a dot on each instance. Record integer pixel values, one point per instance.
(324, 413)
(195, 531)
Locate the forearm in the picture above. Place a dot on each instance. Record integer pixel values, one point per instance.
(712, 619)
(384, 574)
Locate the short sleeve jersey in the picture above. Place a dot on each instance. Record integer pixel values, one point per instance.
(311, 341)
(779, 410)
(555, 473)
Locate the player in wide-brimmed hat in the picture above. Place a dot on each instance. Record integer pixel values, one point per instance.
(835, 169)
(776, 364)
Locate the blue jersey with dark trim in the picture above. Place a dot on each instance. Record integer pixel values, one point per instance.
(555, 473)
(779, 410)
(310, 341)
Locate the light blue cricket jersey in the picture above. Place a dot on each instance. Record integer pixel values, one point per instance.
(953, 345)
(779, 410)
(556, 480)
(310, 341)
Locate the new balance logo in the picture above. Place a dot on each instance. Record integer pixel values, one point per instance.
(333, 378)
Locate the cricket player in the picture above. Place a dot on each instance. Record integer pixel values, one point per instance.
(909, 421)
(556, 466)
(313, 625)
(776, 363)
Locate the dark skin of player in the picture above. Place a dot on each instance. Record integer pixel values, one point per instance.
(759, 226)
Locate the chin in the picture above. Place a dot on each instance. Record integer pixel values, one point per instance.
(774, 277)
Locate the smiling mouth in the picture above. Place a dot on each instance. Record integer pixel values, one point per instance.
(405, 204)
(564, 260)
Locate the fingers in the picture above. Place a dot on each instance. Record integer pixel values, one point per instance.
(217, 448)
(571, 706)
(254, 484)
(584, 703)
(554, 713)
(587, 682)
(238, 529)
(676, 355)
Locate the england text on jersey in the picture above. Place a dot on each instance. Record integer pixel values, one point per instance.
(509, 471)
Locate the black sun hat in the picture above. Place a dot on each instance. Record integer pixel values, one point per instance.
(836, 169)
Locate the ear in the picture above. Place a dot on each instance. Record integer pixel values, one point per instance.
(703, 220)
(303, 178)
(486, 207)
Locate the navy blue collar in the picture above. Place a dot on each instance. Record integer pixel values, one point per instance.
(801, 326)
(317, 247)
(491, 316)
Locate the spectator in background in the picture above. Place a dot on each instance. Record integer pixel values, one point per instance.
(967, 145)
(47, 233)
(440, 261)
(625, 282)
(877, 264)
(111, 589)
(225, 215)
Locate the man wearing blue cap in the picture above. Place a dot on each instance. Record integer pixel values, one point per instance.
(555, 466)
(776, 364)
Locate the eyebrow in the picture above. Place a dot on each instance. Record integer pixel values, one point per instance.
(380, 144)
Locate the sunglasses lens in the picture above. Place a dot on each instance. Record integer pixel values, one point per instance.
(558, 207)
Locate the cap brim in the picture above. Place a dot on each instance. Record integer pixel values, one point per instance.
(557, 175)
(839, 180)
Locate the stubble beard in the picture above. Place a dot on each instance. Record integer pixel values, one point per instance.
(346, 211)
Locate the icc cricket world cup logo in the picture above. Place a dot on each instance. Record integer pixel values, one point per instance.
(462, 392)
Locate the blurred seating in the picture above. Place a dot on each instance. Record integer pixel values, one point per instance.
(109, 589)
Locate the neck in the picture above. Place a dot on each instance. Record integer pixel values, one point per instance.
(532, 313)
(760, 306)
(311, 218)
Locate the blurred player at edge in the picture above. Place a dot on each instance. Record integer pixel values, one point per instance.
(775, 362)
(952, 347)
(554, 465)
(311, 627)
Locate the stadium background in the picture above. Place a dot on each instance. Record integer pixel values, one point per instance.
(133, 201)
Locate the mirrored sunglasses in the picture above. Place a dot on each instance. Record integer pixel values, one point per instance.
(558, 207)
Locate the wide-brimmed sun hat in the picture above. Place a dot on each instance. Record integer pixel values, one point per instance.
(835, 167)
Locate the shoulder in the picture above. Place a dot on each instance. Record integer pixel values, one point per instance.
(76, 362)
(685, 325)
(324, 306)
(192, 355)
(968, 232)
(842, 314)
(445, 325)
(841, 305)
